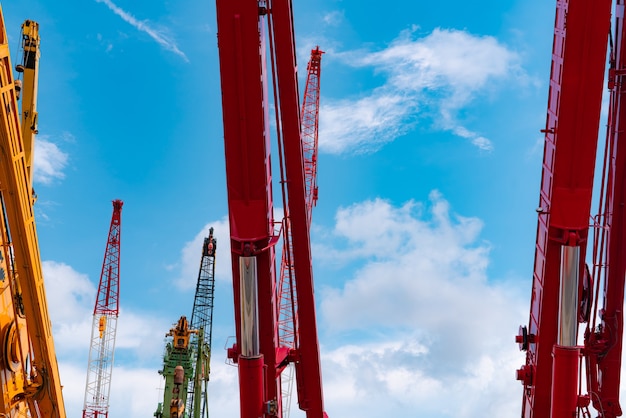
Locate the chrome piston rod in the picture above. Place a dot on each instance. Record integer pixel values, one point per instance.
(249, 307)
(568, 296)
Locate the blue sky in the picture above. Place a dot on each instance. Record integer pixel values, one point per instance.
(423, 235)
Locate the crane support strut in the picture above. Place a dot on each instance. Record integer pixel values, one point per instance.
(565, 293)
(248, 34)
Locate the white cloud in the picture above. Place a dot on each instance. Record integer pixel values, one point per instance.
(437, 75)
(388, 378)
(141, 334)
(49, 161)
(334, 18)
(158, 36)
(71, 297)
(191, 253)
(65, 285)
(444, 58)
(434, 334)
(362, 125)
(480, 141)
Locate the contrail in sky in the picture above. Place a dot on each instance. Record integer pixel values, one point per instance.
(161, 39)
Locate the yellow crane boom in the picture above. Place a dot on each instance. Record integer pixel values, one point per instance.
(30, 69)
(29, 377)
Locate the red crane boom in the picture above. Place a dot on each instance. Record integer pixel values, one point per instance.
(242, 41)
(563, 293)
(603, 343)
(288, 327)
(104, 327)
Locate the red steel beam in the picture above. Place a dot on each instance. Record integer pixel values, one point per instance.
(308, 371)
(243, 75)
(605, 346)
(576, 82)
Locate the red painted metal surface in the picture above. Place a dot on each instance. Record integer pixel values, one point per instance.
(248, 172)
(310, 126)
(565, 383)
(603, 343)
(104, 326)
(107, 301)
(244, 81)
(252, 398)
(308, 373)
(288, 318)
(572, 123)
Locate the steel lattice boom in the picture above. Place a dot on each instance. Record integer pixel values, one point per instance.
(202, 321)
(104, 327)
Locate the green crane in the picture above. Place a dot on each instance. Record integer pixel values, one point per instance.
(178, 366)
(202, 320)
(186, 362)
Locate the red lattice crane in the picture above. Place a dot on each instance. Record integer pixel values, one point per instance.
(249, 32)
(104, 327)
(566, 295)
(288, 320)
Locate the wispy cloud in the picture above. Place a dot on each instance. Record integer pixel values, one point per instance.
(49, 161)
(334, 18)
(436, 76)
(156, 35)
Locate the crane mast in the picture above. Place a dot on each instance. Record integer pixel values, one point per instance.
(245, 30)
(29, 376)
(104, 326)
(202, 320)
(565, 292)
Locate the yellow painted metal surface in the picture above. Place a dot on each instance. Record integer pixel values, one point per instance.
(30, 68)
(28, 367)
